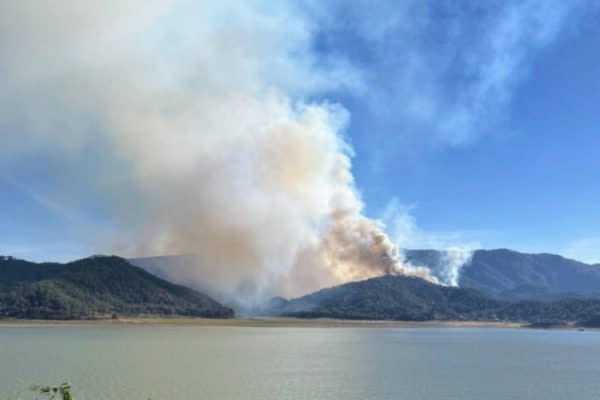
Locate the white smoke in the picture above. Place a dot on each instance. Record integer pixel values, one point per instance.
(209, 143)
(453, 249)
(453, 260)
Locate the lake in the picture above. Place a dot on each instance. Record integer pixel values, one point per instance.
(308, 363)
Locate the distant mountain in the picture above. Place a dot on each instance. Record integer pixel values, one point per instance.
(514, 276)
(94, 287)
(503, 274)
(497, 282)
(413, 299)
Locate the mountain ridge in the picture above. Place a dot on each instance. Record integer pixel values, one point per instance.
(414, 299)
(502, 273)
(511, 275)
(95, 287)
(389, 297)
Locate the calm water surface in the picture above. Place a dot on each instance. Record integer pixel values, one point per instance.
(222, 363)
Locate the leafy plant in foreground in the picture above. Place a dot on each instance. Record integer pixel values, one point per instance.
(60, 392)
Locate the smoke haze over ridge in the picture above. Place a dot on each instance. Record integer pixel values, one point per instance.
(203, 151)
(207, 129)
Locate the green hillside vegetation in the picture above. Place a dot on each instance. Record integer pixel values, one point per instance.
(413, 299)
(393, 298)
(95, 287)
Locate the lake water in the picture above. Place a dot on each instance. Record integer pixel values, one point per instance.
(222, 363)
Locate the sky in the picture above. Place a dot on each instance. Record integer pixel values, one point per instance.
(469, 124)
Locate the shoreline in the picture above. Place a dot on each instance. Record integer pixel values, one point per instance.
(258, 322)
(279, 322)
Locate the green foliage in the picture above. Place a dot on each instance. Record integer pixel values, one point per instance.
(392, 298)
(60, 392)
(413, 299)
(95, 287)
(51, 392)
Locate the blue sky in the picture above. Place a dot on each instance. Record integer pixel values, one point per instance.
(527, 179)
(472, 124)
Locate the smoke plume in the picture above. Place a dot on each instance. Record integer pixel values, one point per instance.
(195, 126)
(453, 260)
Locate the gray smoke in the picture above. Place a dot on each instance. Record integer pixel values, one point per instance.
(201, 136)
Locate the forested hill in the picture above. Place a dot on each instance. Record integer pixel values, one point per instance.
(393, 298)
(95, 287)
(413, 299)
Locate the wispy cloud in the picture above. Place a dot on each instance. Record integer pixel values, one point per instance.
(45, 200)
(442, 71)
(54, 205)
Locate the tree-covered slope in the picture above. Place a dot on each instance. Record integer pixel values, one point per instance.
(413, 299)
(391, 297)
(95, 287)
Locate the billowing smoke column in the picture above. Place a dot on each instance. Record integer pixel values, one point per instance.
(208, 144)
